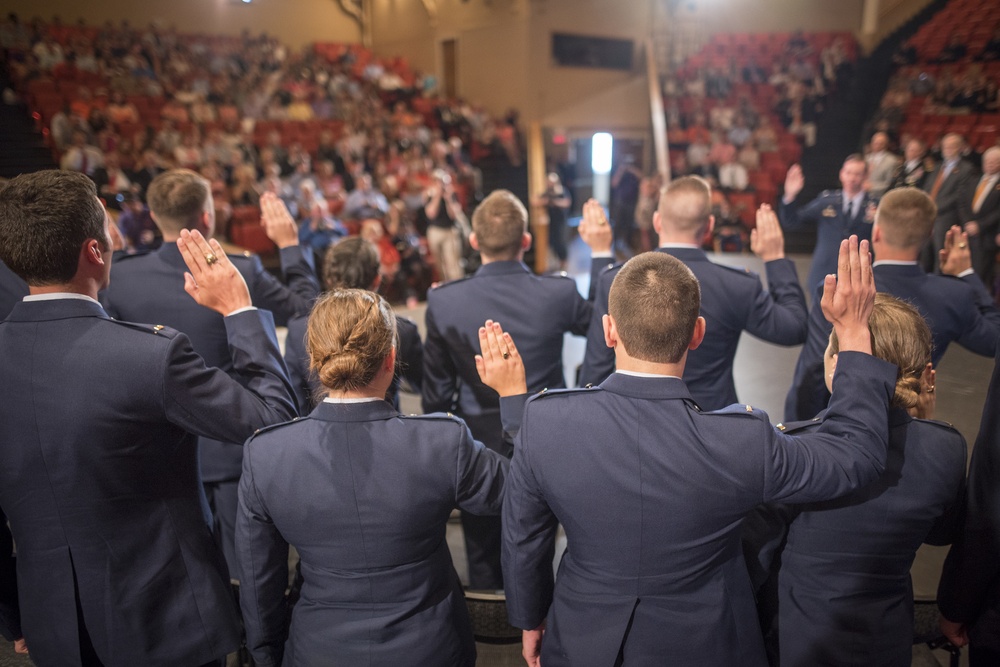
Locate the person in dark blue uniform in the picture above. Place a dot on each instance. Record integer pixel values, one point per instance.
(969, 591)
(732, 300)
(146, 288)
(536, 310)
(364, 495)
(837, 214)
(956, 306)
(352, 263)
(652, 491)
(844, 595)
(115, 562)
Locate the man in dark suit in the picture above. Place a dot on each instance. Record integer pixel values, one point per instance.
(981, 213)
(948, 185)
(733, 300)
(956, 305)
(653, 566)
(969, 592)
(536, 310)
(146, 288)
(837, 214)
(115, 563)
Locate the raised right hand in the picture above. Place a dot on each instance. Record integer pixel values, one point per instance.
(499, 365)
(849, 297)
(212, 280)
(766, 240)
(278, 223)
(594, 228)
(794, 182)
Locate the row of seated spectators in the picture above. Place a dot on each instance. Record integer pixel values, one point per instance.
(326, 129)
(740, 111)
(947, 79)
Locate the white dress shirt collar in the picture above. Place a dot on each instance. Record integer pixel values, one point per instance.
(52, 296)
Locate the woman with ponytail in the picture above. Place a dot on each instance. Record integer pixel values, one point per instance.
(364, 493)
(841, 576)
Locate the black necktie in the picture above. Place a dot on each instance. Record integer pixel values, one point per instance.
(850, 210)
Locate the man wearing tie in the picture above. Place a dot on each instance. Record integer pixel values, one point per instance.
(982, 217)
(837, 214)
(947, 185)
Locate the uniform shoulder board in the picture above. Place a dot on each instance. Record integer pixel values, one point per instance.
(272, 427)
(449, 283)
(792, 427)
(740, 409)
(558, 275)
(246, 254)
(434, 416)
(548, 393)
(828, 193)
(155, 329)
(741, 270)
(940, 423)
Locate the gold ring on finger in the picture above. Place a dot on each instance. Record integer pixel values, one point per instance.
(210, 258)
(506, 355)
(963, 246)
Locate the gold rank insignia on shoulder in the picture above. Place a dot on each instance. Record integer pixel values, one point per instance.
(829, 212)
(247, 253)
(780, 427)
(590, 385)
(158, 328)
(449, 414)
(749, 408)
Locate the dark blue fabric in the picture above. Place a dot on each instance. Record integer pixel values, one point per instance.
(969, 591)
(12, 290)
(956, 309)
(99, 478)
(652, 493)
(732, 301)
(364, 495)
(832, 227)
(844, 590)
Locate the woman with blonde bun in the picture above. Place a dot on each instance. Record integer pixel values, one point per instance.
(364, 493)
(843, 589)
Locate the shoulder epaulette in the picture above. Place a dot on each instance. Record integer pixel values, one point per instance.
(792, 427)
(742, 270)
(546, 393)
(271, 427)
(828, 193)
(155, 329)
(434, 416)
(940, 423)
(744, 409)
(246, 254)
(450, 282)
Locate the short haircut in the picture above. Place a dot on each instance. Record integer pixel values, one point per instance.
(856, 157)
(900, 335)
(905, 217)
(45, 219)
(654, 301)
(351, 263)
(177, 198)
(499, 223)
(350, 334)
(686, 204)
(991, 151)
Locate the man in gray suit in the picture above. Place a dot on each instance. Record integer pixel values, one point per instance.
(882, 165)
